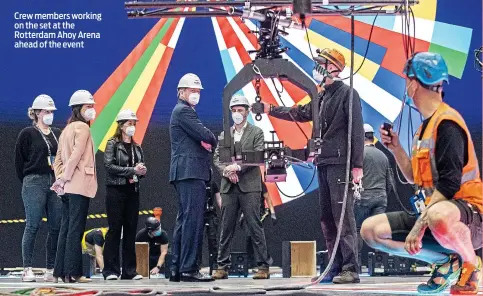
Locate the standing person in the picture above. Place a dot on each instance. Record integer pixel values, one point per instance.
(444, 167)
(241, 187)
(376, 183)
(157, 238)
(331, 163)
(75, 170)
(35, 152)
(124, 163)
(191, 146)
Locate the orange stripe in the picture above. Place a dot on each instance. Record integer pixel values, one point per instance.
(110, 86)
(272, 191)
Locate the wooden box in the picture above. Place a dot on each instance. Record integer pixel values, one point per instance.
(142, 259)
(299, 259)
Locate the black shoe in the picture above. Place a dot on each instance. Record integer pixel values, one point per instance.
(174, 276)
(195, 277)
(347, 277)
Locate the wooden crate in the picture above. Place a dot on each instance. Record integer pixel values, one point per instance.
(142, 259)
(299, 259)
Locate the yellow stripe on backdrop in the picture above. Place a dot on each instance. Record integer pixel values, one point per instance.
(427, 9)
(139, 90)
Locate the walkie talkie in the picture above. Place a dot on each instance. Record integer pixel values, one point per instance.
(387, 127)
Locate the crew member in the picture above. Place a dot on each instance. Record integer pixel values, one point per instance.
(376, 183)
(443, 166)
(75, 170)
(93, 244)
(35, 152)
(331, 163)
(157, 238)
(124, 163)
(191, 146)
(241, 187)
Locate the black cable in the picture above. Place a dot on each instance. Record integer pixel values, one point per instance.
(304, 190)
(391, 180)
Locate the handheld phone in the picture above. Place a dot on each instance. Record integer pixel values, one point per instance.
(418, 202)
(387, 127)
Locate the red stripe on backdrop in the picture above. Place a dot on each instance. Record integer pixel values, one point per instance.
(272, 191)
(395, 57)
(169, 32)
(286, 131)
(110, 86)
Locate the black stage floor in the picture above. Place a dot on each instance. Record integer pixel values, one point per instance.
(231, 286)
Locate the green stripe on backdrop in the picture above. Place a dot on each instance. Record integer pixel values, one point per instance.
(456, 60)
(113, 106)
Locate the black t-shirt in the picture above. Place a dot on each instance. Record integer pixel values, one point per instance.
(154, 242)
(130, 151)
(31, 151)
(95, 237)
(211, 191)
(451, 154)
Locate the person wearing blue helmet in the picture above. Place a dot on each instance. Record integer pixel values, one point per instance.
(444, 169)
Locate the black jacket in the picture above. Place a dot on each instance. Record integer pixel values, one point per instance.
(334, 115)
(116, 161)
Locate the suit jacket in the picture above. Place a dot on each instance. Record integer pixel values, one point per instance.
(189, 160)
(250, 179)
(75, 160)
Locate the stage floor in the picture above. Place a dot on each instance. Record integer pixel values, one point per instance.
(368, 286)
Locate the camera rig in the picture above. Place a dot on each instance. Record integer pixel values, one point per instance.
(272, 16)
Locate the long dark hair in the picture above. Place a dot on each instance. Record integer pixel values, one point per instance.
(76, 115)
(118, 133)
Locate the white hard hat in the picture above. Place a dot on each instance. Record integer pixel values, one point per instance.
(43, 102)
(126, 114)
(81, 97)
(190, 80)
(368, 128)
(239, 100)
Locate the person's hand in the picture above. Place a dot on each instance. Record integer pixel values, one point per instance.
(390, 141)
(58, 186)
(357, 175)
(155, 270)
(206, 146)
(413, 242)
(233, 177)
(232, 168)
(266, 107)
(140, 169)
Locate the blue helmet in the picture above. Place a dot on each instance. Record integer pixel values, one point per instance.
(427, 67)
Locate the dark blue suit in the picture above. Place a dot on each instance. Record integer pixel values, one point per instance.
(190, 168)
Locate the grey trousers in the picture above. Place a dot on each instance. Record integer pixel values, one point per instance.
(249, 203)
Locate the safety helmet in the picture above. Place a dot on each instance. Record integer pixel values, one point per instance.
(126, 114)
(427, 67)
(239, 100)
(152, 223)
(43, 102)
(81, 97)
(190, 80)
(368, 128)
(331, 55)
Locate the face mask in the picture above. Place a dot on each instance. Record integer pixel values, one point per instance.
(90, 114)
(237, 117)
(156, 232)
(194, 98)
(48, 118)
(130, 130)
(317, 76)
(409, 100)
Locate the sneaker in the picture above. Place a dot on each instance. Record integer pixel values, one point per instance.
(28, 275)
(49, 275)
(220, 274)
(442, 276)
(112, 277)
(262, 274)
(137, 277)
(469, 280)
(346, 277)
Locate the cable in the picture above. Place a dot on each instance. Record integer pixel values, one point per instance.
(304, 190)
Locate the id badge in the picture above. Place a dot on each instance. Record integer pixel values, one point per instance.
(50, 160)
(135, 178)
(418, 202)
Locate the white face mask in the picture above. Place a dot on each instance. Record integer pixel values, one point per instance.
(317, 76)
(90, 114)
(130, 130)
(237, 117)
(48, 118)
(194, 98)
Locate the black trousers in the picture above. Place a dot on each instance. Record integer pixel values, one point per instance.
(211, 228)
(331, 195)
(122, 208)
(188, 231)
(249, 203)
(68, 261)
(249, 246)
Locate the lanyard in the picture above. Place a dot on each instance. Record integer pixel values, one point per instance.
(45, 139)
(132, 153)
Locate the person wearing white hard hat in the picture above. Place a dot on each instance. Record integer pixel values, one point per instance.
(35, 151)
(376, 183)
(124, 163)
(191, 146)
(241, 188)
(75, 170)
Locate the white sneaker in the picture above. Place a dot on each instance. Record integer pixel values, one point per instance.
(49, 275)
(137, 277)
(28, 275)
(112, 277)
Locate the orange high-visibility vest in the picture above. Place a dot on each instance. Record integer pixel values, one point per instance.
(423, 160)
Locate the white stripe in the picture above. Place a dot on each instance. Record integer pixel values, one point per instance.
(243, 39)
(424, 28)
(176, 33)
(291, 187)
(219, 36)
